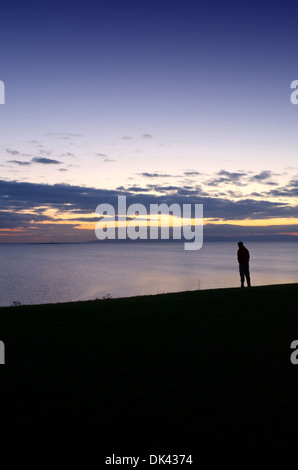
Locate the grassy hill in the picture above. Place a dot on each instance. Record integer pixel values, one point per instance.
(171, 373)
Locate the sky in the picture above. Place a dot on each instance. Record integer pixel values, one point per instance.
(160, 101)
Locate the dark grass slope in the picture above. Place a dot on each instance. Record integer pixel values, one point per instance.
(166, 373)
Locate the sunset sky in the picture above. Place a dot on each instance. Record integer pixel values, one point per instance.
(161, 101)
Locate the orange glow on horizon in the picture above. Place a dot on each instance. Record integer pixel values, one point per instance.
(294, 234)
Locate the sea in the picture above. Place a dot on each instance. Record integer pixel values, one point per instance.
(51, 273)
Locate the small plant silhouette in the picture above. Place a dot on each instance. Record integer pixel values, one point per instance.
(16, 303)
(107, 297)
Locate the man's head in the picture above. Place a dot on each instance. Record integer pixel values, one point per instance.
(240, 244)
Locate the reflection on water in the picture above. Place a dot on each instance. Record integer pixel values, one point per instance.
(59, 273)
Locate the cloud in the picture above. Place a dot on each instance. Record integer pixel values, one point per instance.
(270, 183)
(226, 177)
(235, 232)
(155, 175)
(45, 152)
(144, 136)
(264, 175)
(134, 189)
(45, 161)
(63, 135)
(14, 220)
(291, 190)
(100, 154)
(17, 153)
(163, 189)
(13, 152)
(293, 183)
(18, 162)
(191, 173)
(18, 199)
(231, 175)
(26, 196)
(235, 194)
(67, 154)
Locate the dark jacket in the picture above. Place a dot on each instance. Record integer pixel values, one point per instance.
(243, 255)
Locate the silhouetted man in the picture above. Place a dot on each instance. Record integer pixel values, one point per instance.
(243, 260)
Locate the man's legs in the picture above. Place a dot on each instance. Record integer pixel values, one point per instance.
(247, 275)
(244, 272)
(241, 271)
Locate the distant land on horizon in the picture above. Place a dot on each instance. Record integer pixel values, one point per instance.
(208, 239)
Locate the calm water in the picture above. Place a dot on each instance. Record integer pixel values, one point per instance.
(33, 274)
